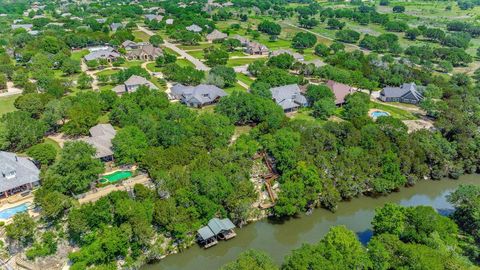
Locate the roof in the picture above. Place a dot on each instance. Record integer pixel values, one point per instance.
(147, 49)
(288, 96)
(295, 55)
(137, 80)
(24, 26)
(215, 34)
(100, 138)
(169, 21)
(243, 40)
(340, 91)
(257, 47)
(115, 26)
(107, 53)
(205, 233)
(25, 171)
(194, 28)
(315, 62)
(203, 93)
(218, 225)
(396, 92)
(153, 17)
(101, 20)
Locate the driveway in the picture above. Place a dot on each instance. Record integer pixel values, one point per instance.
(198, 64)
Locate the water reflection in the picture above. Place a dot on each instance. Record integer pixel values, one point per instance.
(279, 237)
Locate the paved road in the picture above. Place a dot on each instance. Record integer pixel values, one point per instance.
(198, 64)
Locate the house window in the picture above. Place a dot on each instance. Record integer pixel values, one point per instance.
(10, 174)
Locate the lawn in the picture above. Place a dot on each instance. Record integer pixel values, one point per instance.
(78, 55)
(234, 88)
(200, 46)
(107, 72)
(240, 61)
(153, 68)
(393, 111)
(197, 54)
(53, 143)
(184, 63)
(129, 64)
(140, 36)
(245, 79)
(6, 104)
(169, 51)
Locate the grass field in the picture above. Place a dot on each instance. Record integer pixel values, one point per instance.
(240, 61)
(184, 63)
(78, 55)
(140, 36)
(153, 68)
(107, 72)
(245, 79)
(6, 104)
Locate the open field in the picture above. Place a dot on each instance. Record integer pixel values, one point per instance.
(6, 104)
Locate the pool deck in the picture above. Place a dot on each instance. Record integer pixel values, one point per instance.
(4, 204)
(93, 196)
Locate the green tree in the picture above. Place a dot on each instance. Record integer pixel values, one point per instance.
(356, 105)
(214, 56)
(21, 131)
(43, 153)
(75, 169)
(303, 40)
(84, 81)
(22, 229)
(227, 74)
(156, 40)
(129, 145)
(251, 259)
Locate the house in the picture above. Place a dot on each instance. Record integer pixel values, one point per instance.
(132, 84)
(407, 93)
(316, 62)
(169, 21)
(289, 97)
(216, 35)
(296, 56)
(243, 41)
(197, 96)
(216, 229)
(101, 20)
(115, 26)
(255, 48)
(27, 27)
(107, 53)
(141, 51)
(17, 174)
(194, 28)
(152, 17)
(340, 91)
(100, 138)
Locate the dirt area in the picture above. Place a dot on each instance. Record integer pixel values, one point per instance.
(414, 125)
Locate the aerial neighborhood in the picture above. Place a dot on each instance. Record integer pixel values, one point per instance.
(134, 130)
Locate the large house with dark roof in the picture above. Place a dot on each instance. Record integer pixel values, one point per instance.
(197, 96)
(289, 97)
(407, 93)
(340, 91)
(107, 53)
(17, 174)
(141, 51)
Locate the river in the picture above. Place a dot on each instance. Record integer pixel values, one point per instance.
(279, 238)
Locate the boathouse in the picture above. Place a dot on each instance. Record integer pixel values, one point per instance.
(216, 229)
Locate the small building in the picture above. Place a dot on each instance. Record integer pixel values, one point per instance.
(101, 20)
(108, 53)
(27, 27)
(316, 62)
(296, 56)
(243, 41)
(340, 91)
(255, 48)
(407, 93)
(194, 28)
(17, 174)
(216, 229)
(216, 35)
(197, 96)
(115, 26)
(151, 17)
(100, 138)
(132, 84)
(289, 97)
(169, 21)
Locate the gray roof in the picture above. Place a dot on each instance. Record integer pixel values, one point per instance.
(101, 20)
(397, 92)
(288, 96)
(115, 26)
(132, 84)
(101, 54)
(205, 233)
(101, 139)
(215, 34)
(24, 26)
(295, 55)
(194, 28)
(203, 93)
(219, 225)
(16, 171)
(153, 17)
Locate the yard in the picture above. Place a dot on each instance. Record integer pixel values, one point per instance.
(6, 104)
(393, 111)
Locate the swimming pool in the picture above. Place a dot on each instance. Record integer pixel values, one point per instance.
(116, 176)
(10, 212)
(377, 114)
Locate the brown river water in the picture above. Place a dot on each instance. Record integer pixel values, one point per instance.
(279, 238)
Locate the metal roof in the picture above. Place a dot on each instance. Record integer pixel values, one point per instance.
(23, 169)
(218, 225)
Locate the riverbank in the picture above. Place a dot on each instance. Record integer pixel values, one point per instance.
(278, 238)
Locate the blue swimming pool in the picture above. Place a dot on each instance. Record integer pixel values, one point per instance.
(10, 212)
(377, 114)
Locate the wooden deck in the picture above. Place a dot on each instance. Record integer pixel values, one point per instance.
(211, 244)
